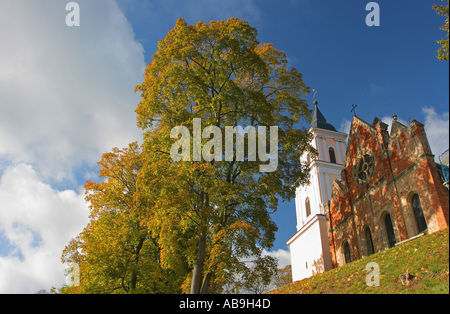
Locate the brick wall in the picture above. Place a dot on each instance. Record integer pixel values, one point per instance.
(382, 174)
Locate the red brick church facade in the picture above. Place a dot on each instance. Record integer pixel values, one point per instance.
(390, 190)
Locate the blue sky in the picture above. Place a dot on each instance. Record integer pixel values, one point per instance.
(385, 70)
(66, 96)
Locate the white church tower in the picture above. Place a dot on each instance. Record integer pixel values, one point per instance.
(309, 247)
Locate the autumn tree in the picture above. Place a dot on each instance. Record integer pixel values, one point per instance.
(258, 277)
(442, 53)
(214, 212)
(116, 252)
(283, 276)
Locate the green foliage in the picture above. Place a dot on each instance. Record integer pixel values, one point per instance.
(159, 226)
(442, 53)
(220, 73)
(116, 253)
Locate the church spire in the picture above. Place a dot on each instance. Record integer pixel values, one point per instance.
(319, 121)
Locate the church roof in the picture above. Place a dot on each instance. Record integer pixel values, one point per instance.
(319, 121)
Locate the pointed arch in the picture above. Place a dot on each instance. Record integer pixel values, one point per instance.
(388, 228)
(418, 212)
(347, 253)
(368, 241)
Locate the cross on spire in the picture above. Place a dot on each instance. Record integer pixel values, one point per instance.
(354, 109)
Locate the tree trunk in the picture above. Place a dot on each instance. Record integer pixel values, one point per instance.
(136, 260)
(197, 273)
(205, 284)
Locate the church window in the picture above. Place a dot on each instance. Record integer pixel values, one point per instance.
(369, 242)
(308, 207)
(365, 167)
(418, 213)
(332, 155)
(347, 253)
(390, 230)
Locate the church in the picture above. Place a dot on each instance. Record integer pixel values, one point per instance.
(367, 193)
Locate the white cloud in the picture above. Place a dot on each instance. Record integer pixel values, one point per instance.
(283, 257)
(345, 126)
(38, 222)
(437, 129)
(66, 93)
(66, 97)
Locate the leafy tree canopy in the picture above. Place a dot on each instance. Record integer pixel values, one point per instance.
(220, 73)
(160, 225)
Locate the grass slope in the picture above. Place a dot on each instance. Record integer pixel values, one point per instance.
(426, 258)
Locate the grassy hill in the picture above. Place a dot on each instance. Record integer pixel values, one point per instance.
(425, 258)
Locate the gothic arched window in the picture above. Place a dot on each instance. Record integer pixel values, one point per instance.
(308, 207)
(389, 230)
(364, 167)
(418, 213)
(332, 155)
(347, 253)
(369, 242)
